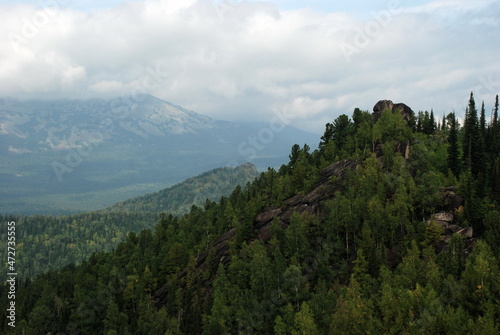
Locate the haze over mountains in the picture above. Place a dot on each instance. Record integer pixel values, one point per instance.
(63, 156)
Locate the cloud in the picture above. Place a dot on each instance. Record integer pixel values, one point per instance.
(241, 60)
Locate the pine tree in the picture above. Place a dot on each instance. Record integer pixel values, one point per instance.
(342, 128)
(327, 136)
(294, 155)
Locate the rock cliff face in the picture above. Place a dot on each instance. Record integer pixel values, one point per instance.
(328, 183)
(382, 105)
(446, 220)
(405, 111)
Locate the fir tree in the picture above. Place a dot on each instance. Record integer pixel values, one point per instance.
(482, 121)
(327, 136)
(481, 155)
(495, 132)
(470, 140)
(432, 123)
(453, 152)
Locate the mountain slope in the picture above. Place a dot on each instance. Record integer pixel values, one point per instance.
(52, 242)
(69, 156)
(341, 240)
(178, 199)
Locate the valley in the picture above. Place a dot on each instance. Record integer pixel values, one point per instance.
(69, 156)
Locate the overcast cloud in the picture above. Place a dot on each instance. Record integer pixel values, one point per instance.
(244, 60)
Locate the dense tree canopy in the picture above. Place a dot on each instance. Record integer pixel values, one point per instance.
(373, 259)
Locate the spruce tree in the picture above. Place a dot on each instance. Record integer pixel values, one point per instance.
(432, 123)
(495, 132)
(481, 155)
(493, 152)
(453, 152)
(426, 128)
(470, 140)
(495, 114)
(482, 121)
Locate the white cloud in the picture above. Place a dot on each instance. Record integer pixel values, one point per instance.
(107, 86)
(240, 60)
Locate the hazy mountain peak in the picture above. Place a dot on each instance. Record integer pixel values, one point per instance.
(54, 124)
(124, 145)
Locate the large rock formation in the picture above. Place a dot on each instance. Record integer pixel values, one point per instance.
(446, 221)
(405, 111)
(382, 105)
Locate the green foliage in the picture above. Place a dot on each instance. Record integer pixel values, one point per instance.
(361, 254)
(471, 139)
(304, 323)
(453, 149)
(50, 242)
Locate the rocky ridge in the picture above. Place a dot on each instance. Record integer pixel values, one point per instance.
(329, 182)
(383, 105)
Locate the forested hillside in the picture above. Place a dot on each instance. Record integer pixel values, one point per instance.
(51, 242)
(178, 199)
(392, 226)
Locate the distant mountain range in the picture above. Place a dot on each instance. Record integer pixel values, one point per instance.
(67, 156)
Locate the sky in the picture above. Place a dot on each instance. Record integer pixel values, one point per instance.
(252, 60)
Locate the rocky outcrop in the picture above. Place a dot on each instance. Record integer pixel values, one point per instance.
(452, 200)
(383, 105)
(405, 111)
(329, 181)
(446, 220)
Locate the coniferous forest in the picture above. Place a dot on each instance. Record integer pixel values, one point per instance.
(51, 242)
(390, 226)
